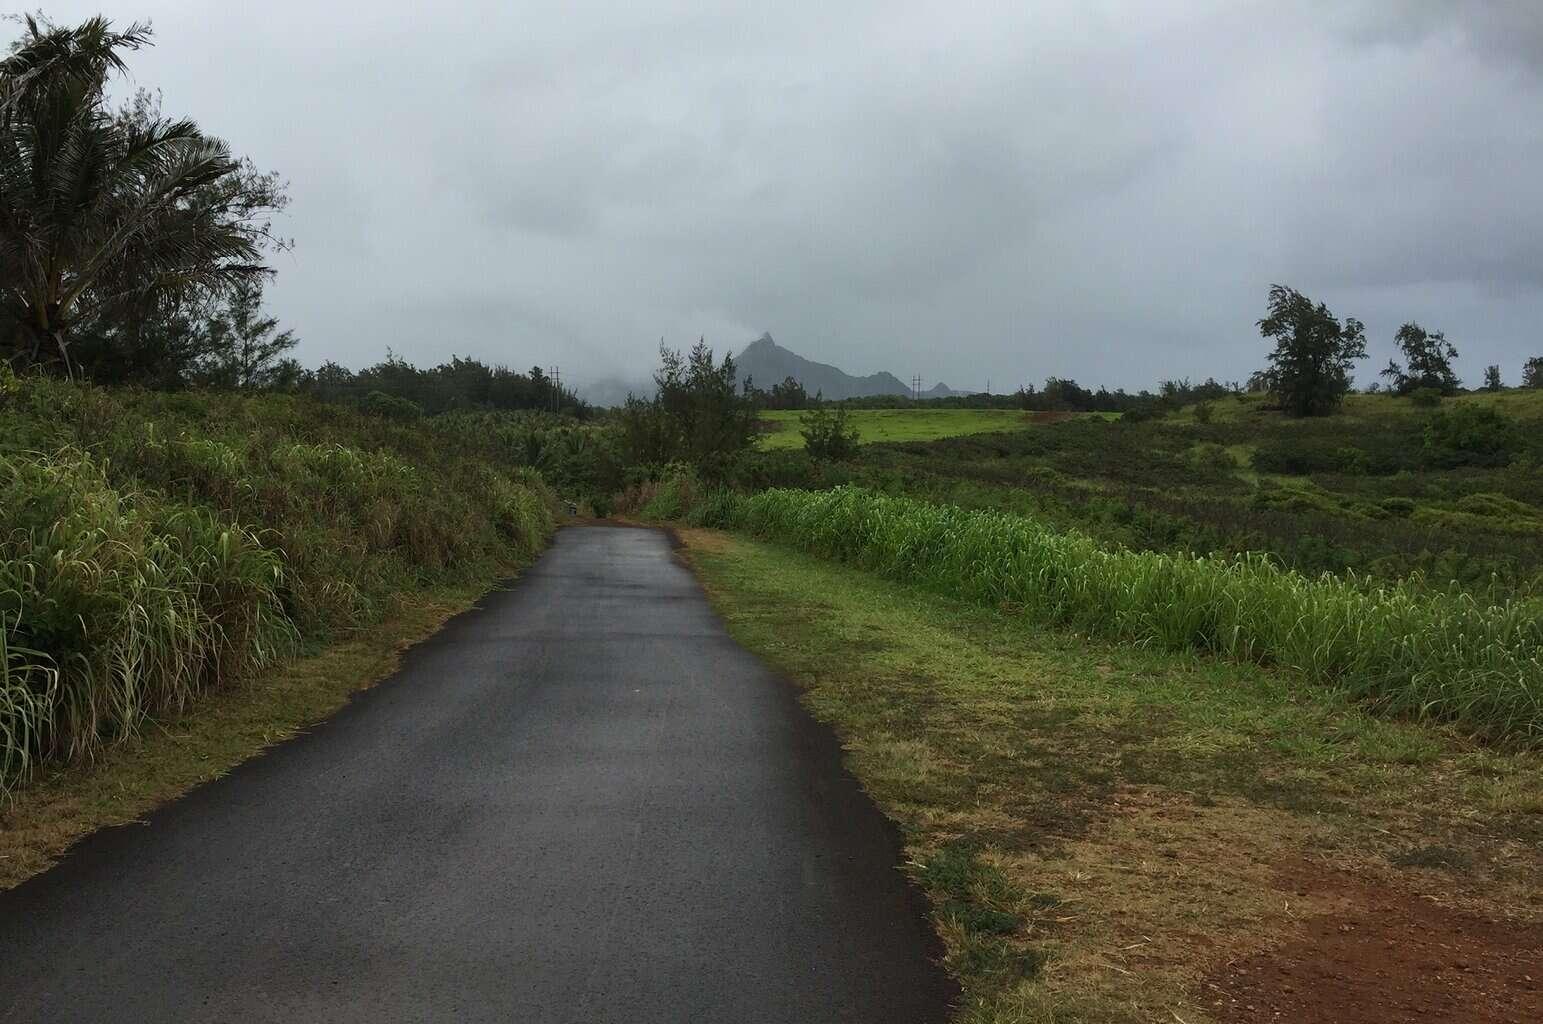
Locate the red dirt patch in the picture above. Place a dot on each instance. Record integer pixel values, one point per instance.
(1386, 957)
(1049, 417)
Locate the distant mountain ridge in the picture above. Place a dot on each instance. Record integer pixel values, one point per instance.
(768, 363)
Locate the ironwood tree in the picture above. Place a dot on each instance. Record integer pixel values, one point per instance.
(1427, 362)
(1310, 367)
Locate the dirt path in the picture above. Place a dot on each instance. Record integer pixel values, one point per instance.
(1385, 957)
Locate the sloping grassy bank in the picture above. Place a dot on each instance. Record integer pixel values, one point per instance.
(1439, 657)
(154, 546)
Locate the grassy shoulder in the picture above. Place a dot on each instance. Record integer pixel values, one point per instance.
(40, 820)
(1114, 834)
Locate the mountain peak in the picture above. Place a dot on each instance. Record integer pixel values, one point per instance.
(769, 363)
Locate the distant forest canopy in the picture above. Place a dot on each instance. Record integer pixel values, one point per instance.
(395, 387)
(1057, 395)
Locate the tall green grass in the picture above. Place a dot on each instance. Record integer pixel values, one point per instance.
(1407, 652)
(135, 603)
(155, 546)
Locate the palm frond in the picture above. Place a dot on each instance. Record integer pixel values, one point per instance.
(98, 207)
(49, 56)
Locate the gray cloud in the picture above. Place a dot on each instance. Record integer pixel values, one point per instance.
(977, 191)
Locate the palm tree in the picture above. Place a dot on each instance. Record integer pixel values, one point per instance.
(102, 210)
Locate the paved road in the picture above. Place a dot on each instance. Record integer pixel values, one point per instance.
(579, 802)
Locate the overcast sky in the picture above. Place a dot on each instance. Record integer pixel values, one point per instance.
(961, 190)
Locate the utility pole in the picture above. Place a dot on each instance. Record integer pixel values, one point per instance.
(557, 388)
(916, 386)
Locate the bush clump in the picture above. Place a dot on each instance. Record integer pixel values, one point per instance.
(394, 407)
(1496, 506)
(1472, 435)
(828, 436)
(1302, 457)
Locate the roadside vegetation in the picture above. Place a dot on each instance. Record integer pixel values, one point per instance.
(1450, 495)
(1402, 651)
(155, 546)
(1117, 833)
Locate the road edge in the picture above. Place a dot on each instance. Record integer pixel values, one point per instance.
(41, 820)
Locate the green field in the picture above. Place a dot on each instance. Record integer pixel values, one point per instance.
(899, 424)
(1363, 491)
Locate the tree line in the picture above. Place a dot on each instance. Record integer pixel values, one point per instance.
(395, 387)
(1310, 368)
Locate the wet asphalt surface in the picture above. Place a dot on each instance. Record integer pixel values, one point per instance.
(580, 801)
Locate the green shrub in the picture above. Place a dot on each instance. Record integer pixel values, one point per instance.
(1400, 507)
(1470, 522)
(670, 497)
(1298, 497)
(1203, 412)
(394, 407)
(1304, 456)
(828, 436)
(1497, 506)
(1425, 398)
(1471, 435)
(1402, 650)
(1352, 461)
(1211, 458)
